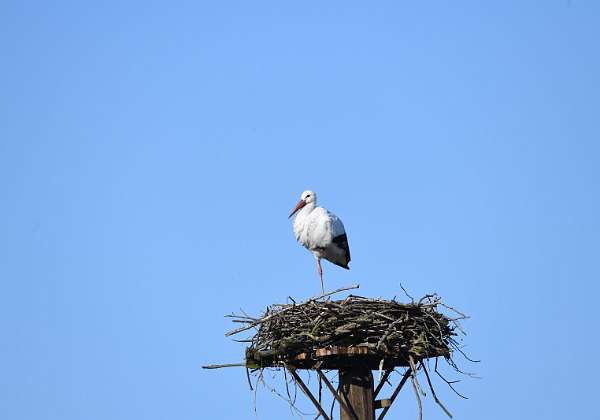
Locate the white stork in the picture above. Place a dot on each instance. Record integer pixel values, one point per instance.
(321, 232)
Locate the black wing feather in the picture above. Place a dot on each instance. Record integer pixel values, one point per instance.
(342, 242)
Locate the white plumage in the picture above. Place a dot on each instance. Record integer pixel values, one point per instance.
(321, 232)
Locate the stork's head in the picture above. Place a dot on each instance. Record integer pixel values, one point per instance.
(307, 197)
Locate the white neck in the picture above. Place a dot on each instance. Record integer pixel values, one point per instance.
(306, 210)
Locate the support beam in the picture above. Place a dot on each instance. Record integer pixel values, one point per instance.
(338, 398)
(395, 394)
(382, 382)
(357, 390)
(386, 402)
(310, 396)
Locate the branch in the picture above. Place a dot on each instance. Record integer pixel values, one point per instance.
(223, 366)
(260, 321)
(413, 380)
(412, 300)
(433, 392)
(449, 383)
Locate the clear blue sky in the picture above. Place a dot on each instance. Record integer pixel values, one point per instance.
(150, 153)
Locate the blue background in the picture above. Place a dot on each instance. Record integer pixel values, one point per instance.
(150, 153)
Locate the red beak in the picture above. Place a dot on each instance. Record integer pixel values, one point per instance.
(300, 204)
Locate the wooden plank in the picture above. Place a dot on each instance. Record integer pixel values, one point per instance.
(386, 402)
(336, 350)
(332, 358)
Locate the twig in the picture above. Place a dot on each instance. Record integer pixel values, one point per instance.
(412, 300)
(336, 395)
(414, 369)
(248, 377)
(435, 398)
(432, 298)
(416, 387)
(456, 347)
(295, 410)
(223, 365)
(308, 394)
(449, 383)
(453, 309)
(413, 380)
(268, 317)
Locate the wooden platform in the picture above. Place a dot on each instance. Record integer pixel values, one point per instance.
(334, 357)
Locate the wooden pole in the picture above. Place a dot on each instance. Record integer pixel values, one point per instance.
(357, 389)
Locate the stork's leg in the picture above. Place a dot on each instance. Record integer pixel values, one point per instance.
(320, 270)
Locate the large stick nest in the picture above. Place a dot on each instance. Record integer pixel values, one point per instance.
(378, 334)
(325, 333)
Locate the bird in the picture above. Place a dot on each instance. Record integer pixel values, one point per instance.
(321, 232)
